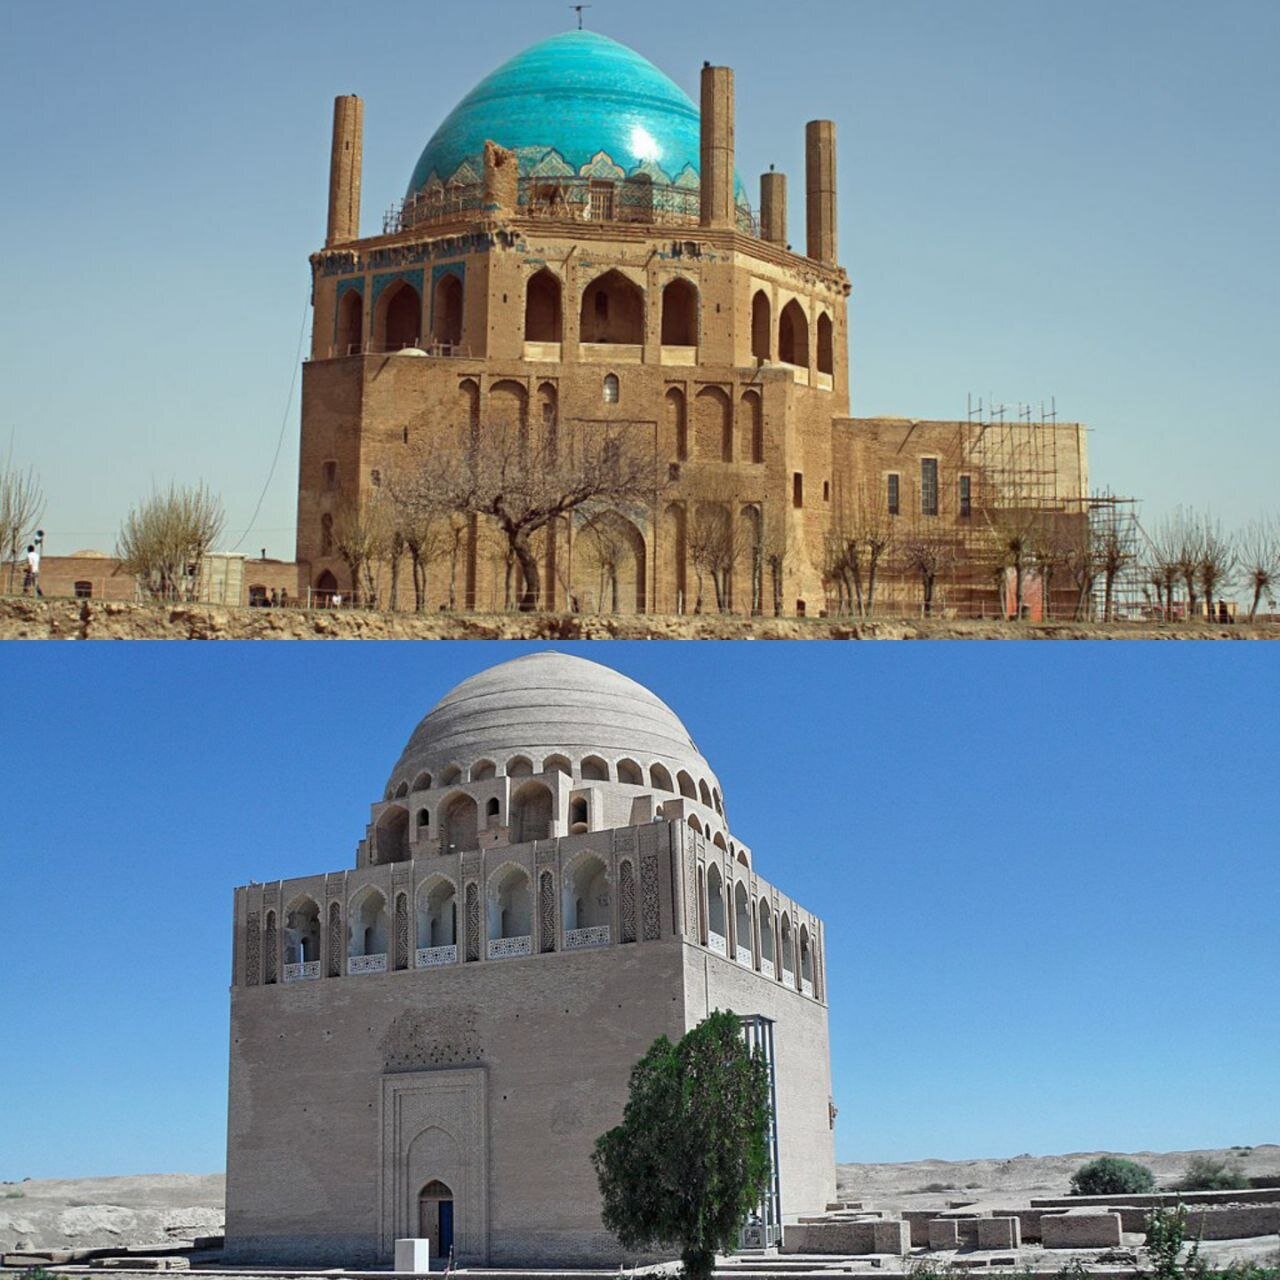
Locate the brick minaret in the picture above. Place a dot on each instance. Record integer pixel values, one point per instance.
(717, 146)
(773, 207)
(344, 170)
(820, 189)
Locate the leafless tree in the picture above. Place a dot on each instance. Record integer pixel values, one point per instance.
(1015, 532)
(1051, 543)
(1260, 561)
(1083, 564)
(716, 542)
(21, 506)
(361, 538)
(1218, 561)
(776, 551)
(424, 496)
(164, 539)
(862, 536)
(611, 548)
(1163, 561)
(928, 551)
(1188, 551)
(525, 480)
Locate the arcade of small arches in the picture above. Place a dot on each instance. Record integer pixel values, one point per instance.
(441, 812)
(518, 912)
(611, 309)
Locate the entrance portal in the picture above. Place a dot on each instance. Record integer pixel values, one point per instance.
(435, 1218)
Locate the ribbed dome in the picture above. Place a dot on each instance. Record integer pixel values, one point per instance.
(544, 704)
(574, 94)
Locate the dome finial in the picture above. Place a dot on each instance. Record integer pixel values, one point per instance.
(578, 8)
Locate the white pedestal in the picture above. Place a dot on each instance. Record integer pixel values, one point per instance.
(413, 1255)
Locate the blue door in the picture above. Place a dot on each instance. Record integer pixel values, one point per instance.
(446, 1227)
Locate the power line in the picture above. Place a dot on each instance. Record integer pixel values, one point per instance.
(288, 405)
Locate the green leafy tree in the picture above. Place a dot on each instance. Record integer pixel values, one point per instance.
(1166, 1236)
(1111, 1176)
(1203, 1173)
(690, 1159)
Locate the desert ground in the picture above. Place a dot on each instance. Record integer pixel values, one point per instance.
(159, 1209)
(24, 618)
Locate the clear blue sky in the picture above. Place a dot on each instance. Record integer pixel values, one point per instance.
(1036, 199)
(1048, 872)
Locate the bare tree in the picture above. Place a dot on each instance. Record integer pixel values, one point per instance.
(525, 480)
(1188, 550)
(862, 536)
(165, 538)
(611, 548)
(928, 551)
(21, 506)
(775, 551)
(423, 498)
(1260, 561)
(716, 542)
(1163, 562)
(1082, 562)
(1218, 561)
(1051, 543)
(361, 537)
(1015, 531)
(1114, 556)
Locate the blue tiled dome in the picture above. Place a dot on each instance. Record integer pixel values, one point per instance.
(566, 99)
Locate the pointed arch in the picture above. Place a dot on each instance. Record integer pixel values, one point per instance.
(680, 314)
(717, 918)
(660, 778)
(752, 445)
(436, 912)
(532, 809)
(446, 310)
(397, 317)
(509, 903)
(826, 345)
(677, 423)
(367, 923)
(391, 835)
(611, 565)
(543, 314)
(587, 894)
(301, 931)
(350, 335)
(612, 310)
(713, 425)
(761, 325)
(459, 824)
(793, 335)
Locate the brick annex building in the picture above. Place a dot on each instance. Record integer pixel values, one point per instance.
(576, 251)
(429, 1042)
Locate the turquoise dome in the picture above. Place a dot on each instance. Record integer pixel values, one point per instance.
(563, 101)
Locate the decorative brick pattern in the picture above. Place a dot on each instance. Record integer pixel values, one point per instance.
(626, 902)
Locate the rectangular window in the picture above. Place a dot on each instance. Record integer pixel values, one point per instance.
(928, 486)
(966, 500)
(797, 490)
(602, 202)
(894, 508)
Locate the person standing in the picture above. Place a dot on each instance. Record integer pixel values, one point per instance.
(31, 579)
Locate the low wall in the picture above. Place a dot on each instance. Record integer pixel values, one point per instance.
(1080, 1230)
(1154, 1199)
(846, 1237)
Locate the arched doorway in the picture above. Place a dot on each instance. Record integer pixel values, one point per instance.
(435, 1217)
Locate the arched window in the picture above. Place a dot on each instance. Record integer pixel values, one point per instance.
(452, 774)
(367, 925)
(459, 825)
(402, 790)
(509, 907)
(301, 934)
(586, 897)
(612, 310)
(350, 323)
(630, 773)
(713, 414)
(788, 955)
(761, 325)
(704, 793)
(793, 335)
(680, 314)
(519, 767)
(398, 318)
(391, 835)
(660, 778)
(752, 427)
(594, 769)
(436, 914)
(611, 389)
(424, 822)
(542, 313)
(557, 764)
(826, 352)
(688, 789)
(422, 782)
(702, 908)
(742, 925)
(446, 311)
(577, 816)
(491, 809)
(716, 925)
(530, 817)
(483, 770)
(677, 425)
(715, 796)
(766, 939)
(806, 961)
(694, 824)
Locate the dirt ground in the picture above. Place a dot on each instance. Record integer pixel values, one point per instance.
(23, 618)
(153, 1209)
